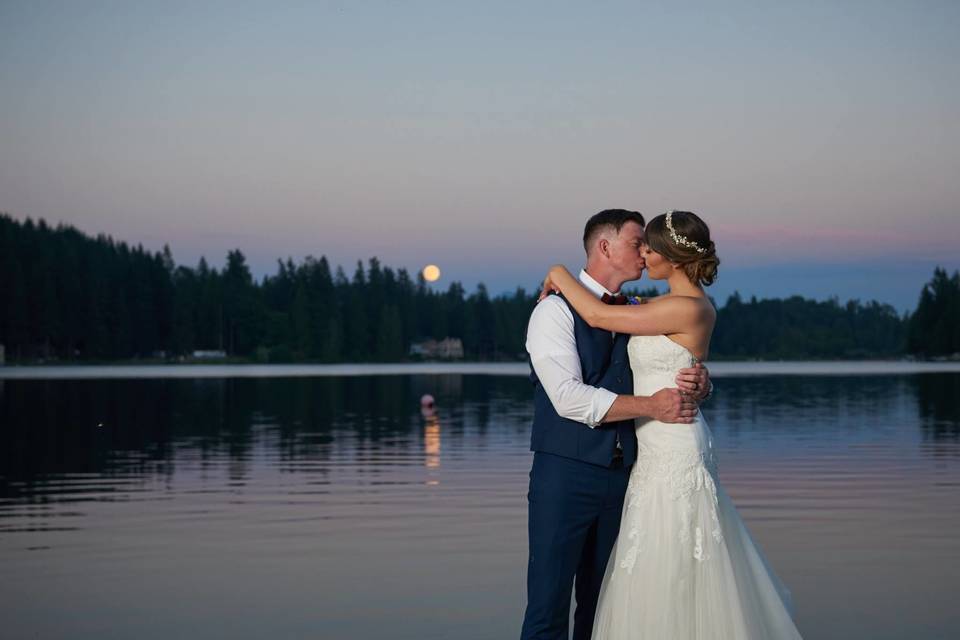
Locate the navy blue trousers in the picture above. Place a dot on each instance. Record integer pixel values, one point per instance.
(573, 521)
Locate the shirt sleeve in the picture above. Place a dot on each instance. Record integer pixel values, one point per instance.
(553, 354)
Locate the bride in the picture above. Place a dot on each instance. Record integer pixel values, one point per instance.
(684, 565)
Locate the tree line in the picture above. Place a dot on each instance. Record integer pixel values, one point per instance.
(67, 296)
(934, 327)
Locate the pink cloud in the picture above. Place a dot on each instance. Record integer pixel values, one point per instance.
(772, 241)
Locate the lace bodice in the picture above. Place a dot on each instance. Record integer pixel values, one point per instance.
(655, 361)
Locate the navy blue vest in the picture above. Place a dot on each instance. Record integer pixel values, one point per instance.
(604, 363)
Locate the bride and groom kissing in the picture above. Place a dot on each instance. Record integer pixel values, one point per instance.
(625, 507)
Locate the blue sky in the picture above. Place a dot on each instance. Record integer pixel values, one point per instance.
(818, 139)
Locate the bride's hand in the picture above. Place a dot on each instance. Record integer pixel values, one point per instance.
(694, 382)
(548, 284)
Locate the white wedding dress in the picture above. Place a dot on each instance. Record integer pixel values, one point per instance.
(684, 565)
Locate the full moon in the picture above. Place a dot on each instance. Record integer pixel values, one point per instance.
(431, 273)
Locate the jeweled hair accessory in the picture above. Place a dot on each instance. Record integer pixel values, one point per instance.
(679, 239)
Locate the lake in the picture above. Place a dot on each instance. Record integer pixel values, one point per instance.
(329, 507)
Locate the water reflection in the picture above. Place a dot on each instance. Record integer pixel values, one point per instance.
(255, 487)
(144, 426)
(938, 398)
(431, 434)
(141, 427)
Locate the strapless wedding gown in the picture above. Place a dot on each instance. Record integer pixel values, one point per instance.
(684, 565)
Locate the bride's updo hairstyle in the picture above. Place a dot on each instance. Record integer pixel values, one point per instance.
(683, 238)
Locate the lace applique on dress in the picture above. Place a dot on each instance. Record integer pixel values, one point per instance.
(684, 474)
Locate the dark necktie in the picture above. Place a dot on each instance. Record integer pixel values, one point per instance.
(617, 299)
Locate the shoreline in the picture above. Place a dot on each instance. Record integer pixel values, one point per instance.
(719, 369)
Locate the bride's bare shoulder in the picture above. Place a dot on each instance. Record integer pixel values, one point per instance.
(694, 305)
(692, 313)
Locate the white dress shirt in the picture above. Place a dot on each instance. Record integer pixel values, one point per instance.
(554, 357)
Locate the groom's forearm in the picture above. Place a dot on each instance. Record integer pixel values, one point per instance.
(629, 407)
(667, 405)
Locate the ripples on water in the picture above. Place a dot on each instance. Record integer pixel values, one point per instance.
(331, 508)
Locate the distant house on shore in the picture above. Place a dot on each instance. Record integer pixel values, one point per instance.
(446, 349)
(210, 354)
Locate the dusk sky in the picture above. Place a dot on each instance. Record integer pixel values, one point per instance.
(820, 140)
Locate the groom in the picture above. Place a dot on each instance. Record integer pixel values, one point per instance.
(583, 435)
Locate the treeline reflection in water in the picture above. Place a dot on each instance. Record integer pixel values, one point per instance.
(353, 511)
(87, 426)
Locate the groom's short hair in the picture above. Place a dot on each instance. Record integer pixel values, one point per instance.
(608, 218)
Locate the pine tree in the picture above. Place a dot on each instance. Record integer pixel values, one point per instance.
(355, 322)
(240, 306)
(321, 300)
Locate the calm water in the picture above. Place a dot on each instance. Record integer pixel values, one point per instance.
(330, 508)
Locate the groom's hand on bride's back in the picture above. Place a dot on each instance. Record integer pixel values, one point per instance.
(671, 405)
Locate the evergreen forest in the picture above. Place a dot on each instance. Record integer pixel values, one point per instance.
(65, 296)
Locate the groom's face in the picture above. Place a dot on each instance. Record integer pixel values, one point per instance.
(625, 251)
